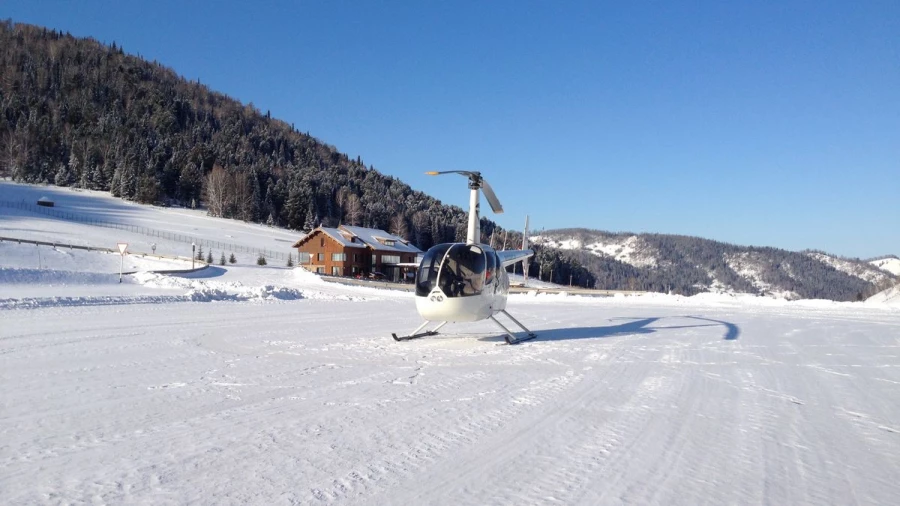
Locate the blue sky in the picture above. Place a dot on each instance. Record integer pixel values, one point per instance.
(759, 123)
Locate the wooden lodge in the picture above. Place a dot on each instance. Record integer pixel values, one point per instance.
(357, 251)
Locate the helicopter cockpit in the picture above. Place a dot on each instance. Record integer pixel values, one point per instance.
(459, 270)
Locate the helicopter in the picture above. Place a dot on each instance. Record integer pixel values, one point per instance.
(467, 282)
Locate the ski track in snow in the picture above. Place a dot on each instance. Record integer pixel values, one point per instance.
(309, 401)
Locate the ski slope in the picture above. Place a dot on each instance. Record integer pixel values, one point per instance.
(159, 224)
(266, 385)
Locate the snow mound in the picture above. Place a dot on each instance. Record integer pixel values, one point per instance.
(205, 290)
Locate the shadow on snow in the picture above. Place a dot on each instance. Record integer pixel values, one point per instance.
(636, 326)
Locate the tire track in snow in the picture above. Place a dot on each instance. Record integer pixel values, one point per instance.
(407, 462)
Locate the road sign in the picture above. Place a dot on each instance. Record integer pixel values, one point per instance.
(122, 247)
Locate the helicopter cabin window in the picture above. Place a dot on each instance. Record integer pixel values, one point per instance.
(490, 272)
(426, 278)
(462, 271)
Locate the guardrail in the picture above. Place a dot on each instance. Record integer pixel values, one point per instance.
(203, 265)
(151, 232)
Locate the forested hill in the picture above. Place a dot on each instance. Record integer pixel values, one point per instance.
(689, 265)
(80, 113)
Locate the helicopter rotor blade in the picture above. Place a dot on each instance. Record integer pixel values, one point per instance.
(491, 197)
(461, 172)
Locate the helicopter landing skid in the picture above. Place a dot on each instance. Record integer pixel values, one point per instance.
(416, 334)
(510, 337)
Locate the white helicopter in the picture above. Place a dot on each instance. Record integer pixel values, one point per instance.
(466, 282)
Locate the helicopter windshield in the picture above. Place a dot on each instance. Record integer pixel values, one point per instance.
(427, 277)
(462, 271)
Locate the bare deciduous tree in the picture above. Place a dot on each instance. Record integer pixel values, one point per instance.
(354, 211)
(399, 226)
(217, 191)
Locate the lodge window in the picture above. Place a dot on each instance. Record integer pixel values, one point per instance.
(338, 257)
(389, 242)
(320, 270)
(322, 242)
(390, 259)
(335, 271)
(356, 257)
(320, 257)
(304, 257)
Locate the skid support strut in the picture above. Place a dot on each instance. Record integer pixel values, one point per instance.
(510, 338)
(417, 334)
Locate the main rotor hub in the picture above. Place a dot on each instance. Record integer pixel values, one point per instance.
(474, 180)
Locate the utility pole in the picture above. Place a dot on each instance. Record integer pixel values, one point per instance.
(525, 246)
(193, 249)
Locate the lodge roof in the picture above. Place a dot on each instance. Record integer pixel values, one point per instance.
(360, 237)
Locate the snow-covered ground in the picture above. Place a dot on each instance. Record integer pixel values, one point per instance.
(890, 296)
(265, 385)
(157, 225)
(891, 265)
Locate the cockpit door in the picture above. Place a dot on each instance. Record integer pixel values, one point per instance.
(427, 277)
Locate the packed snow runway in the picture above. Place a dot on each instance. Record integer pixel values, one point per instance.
(309, 401)
(241, 384)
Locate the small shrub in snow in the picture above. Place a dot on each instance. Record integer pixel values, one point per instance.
(209, 259)
(231, 259)
(222, 259)
(261, 260)
(290, 262)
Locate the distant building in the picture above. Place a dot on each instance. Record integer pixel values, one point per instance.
(45, 202)
(357, 251)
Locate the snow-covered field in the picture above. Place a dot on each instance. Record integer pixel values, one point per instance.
(265, 385)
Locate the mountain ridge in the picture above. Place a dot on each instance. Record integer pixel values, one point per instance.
(689, 265)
